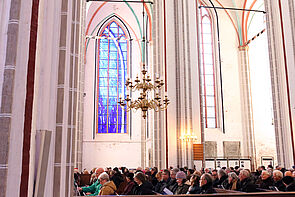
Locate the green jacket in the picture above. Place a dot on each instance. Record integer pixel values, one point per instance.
(94, 188)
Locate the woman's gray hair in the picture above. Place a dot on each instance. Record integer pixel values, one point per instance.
(233, 175)
(222, 172)
(245, 173)
(104, 176)
(278, 173)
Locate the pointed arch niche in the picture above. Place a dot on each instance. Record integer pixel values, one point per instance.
(113, 53)
(209, 70)
(111, 71)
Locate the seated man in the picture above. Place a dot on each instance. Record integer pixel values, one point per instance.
(93, 189)
(289, 183)
(164, 183)
(206, 184)
(278, 183)
(108, 187)
(266, 180)
(246, 183)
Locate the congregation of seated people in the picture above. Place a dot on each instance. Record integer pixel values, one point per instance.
(151, 181)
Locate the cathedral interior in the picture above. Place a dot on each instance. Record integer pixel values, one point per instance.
(170, 83)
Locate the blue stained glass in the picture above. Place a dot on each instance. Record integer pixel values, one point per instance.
(112, 128)
(103, 128)
(102, 120)
(113, 91)
(103, 63)
(102, 111)
(113, 46)
(103, 91)
(102, 101)
(111, 78)
(113, 81)
(103, 73)
(113, 64)
(103, 45)
(119, 128)
(121, 32)
(103, 82)
(113, 72)
(123, 46)
(112, 111)
(113, 24)
(114, 55)
(105, 32)
(113, 100)
(103, 54)
(113, 120)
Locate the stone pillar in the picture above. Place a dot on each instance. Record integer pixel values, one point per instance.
(246, 102)
(182, 78)
(17, 36)
(280, 29)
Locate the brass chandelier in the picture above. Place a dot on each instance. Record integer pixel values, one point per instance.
(144, 86)
(144, 102)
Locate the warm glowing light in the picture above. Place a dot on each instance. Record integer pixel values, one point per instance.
(188, 137)
(144, 101)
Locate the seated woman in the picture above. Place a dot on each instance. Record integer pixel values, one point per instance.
(128, 190)
(233, 181)
(206, 184)
(143, 186)
(195, 185)
(182, 187)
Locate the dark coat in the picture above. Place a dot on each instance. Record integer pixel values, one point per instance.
(182, 189)
(162, 185)
(146, 188)
(247, 186)
(194, 189)
(280, 185)
(265, 184)
(290, 187)
(172, 185)
(207, 189)
(128, 190)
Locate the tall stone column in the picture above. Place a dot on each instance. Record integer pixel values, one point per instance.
(280, 26)
(17, 51)
(246, 102)
(182, 78)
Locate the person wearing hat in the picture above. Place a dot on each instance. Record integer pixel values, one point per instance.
(182, 188)
(289, 183)
(130, 184)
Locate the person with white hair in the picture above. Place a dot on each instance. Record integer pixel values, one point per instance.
(93, 189)
(108, 187)
(246, 183)
(233, 181)
(277, 176)
(266, 180)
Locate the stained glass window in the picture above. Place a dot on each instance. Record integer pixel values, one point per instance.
(111, 76)
(207, 72)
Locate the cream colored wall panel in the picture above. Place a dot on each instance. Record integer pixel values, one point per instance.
(111, 154)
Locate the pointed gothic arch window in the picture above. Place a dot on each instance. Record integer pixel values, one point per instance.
(207, 70)
(111, 74)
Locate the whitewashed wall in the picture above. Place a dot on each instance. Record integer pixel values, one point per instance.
(110, 150)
